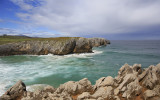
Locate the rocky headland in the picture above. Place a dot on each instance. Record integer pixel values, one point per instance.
(56, 46)
(131, 83)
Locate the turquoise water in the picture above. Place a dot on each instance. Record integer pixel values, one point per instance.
(55, 70)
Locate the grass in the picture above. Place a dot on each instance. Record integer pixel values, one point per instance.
(15, 39)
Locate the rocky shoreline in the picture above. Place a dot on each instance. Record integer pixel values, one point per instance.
(62, 46)
(131, 83)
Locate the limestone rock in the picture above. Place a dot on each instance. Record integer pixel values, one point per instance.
(105, 92)
(104, 81)
(133, 89)
(149, 78)
(149, 94)
(72, 87)
(53, 46)
(84, 95)
(16, 91)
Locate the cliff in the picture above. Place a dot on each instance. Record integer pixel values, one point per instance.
(131, 83)
(56, 46)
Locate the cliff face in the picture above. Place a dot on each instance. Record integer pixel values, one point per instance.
(61, 47)
(131, 83)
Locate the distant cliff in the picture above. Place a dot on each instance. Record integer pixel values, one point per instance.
(56, 46)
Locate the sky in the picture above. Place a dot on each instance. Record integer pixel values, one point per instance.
(111, 19)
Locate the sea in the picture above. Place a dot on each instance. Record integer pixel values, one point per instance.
(55, 70)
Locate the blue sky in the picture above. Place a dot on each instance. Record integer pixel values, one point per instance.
(112, 19)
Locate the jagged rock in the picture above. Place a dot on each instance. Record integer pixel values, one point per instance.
(16, 91)
(104, 81)
(72, 87)
(133, 89)
(49, 89)
(84, 95)
(105, 92)
(149, 94)
(127, 79)
(116, 91)
(125, 69)
(149, 78)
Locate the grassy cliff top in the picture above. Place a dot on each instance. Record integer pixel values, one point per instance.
(14, 39)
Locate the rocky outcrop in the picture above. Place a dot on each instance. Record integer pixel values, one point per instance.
(53, 46)
(15, 92)
(131, 83)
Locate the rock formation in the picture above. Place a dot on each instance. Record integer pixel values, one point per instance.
(131, 83)
(57, 47)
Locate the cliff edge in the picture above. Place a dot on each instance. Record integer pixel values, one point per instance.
(56, 46)
(131, 83)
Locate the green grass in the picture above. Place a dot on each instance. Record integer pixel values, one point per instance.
(15, 39)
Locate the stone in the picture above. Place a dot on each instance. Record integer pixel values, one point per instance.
(150, 79)
(72, 87)
(104, 81)
(105, 92)
(133, 89)
(149, 94)
(16, 91)
(49, 89)
(84, 95)
(127, 79)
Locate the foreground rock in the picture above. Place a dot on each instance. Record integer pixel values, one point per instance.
(131, 83)
(53, 46)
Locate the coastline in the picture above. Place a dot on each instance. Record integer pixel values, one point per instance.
(56, 46)
(131, 83)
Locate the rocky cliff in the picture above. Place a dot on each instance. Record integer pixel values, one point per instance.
(131, 83)
(57, 47)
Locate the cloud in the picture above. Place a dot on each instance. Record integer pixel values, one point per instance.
(82, 17)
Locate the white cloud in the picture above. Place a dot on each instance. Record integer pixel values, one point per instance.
(91, 16)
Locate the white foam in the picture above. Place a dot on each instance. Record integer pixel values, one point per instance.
(35, 87)
(29, 70)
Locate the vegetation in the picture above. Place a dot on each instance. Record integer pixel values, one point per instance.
(13, 39)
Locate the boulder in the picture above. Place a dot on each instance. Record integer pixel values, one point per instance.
(15, 92)
(84, 95)
(104, 81)
(104, 92)
(149, 77)
(148, 94)
(73, 88)
(132, 90)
